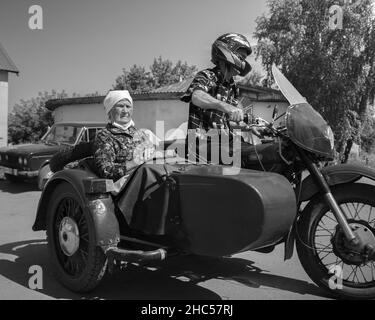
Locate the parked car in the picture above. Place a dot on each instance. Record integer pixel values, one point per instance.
(30, 161)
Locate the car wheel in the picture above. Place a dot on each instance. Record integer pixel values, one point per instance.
(78, 263)
(13, 178)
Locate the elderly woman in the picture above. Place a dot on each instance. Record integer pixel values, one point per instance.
(120, 146)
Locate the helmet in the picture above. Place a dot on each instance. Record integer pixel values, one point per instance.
(226, 48)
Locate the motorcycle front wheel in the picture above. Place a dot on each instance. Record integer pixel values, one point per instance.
(340, 271)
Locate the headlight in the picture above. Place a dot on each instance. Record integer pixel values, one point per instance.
(330, 137)
(20, 160)
(6, 157)
(25, 161)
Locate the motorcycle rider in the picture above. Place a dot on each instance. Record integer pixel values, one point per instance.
(213, 94)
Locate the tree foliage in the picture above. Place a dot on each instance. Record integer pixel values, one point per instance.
(368, 132)
(161, 73)
(29, 120)
(253, 78)
(333, 69)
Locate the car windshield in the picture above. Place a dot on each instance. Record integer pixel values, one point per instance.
(62, 134)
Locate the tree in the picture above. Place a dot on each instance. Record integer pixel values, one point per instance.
(333, 69)
(253, 78)
(368, 132)
(135, 80)
(29, 120)
(162, 73)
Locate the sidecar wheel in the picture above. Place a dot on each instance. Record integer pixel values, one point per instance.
(320, 249)
(77, 262)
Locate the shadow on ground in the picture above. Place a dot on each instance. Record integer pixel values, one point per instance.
(177, 278)
(18, 187)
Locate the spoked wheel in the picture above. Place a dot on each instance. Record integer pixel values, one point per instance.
(77, 262)
(339, 267)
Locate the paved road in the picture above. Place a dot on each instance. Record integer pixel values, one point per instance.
(244, 276)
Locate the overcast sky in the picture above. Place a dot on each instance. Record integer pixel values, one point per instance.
(85, 44)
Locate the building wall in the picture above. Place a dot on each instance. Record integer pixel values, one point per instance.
(172, 113)
(146, 113)
(3, 108)
(80, 113)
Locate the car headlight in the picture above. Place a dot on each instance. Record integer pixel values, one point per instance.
(6, 157)
(330, 137)
(20, 160)
(25, 161)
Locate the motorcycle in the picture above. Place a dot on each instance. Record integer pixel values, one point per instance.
(334, 229)
(179, 207)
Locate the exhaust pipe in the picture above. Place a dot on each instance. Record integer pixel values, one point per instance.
(136, 256)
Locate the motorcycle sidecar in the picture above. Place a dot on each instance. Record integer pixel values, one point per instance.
(164, 209)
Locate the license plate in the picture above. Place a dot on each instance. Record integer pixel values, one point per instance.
(10, 171)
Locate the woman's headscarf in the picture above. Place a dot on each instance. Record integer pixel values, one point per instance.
(115, 96)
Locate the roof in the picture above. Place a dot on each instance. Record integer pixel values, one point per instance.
(171, 92)
(262, 93)
(6, 63)
(256, 92)
(82, 124)
(178, 87)
(55, 103)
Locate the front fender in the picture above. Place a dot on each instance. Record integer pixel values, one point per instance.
(337, 174)
(101, 209)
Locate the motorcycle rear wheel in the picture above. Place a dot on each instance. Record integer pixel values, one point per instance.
(326, 262)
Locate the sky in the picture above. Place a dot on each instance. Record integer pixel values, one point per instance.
(84, 44)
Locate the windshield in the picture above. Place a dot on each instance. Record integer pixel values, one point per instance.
(65, 134)
(306, 127)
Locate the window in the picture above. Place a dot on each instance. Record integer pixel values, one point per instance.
(89, 134)
(92, 133)
(63, 134)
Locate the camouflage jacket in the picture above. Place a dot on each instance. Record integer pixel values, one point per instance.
(115, 147)
(212, 82)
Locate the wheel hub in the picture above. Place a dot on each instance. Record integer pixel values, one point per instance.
(68, 236)
(355, 253)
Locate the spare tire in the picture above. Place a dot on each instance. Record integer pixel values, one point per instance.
(69, 154)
